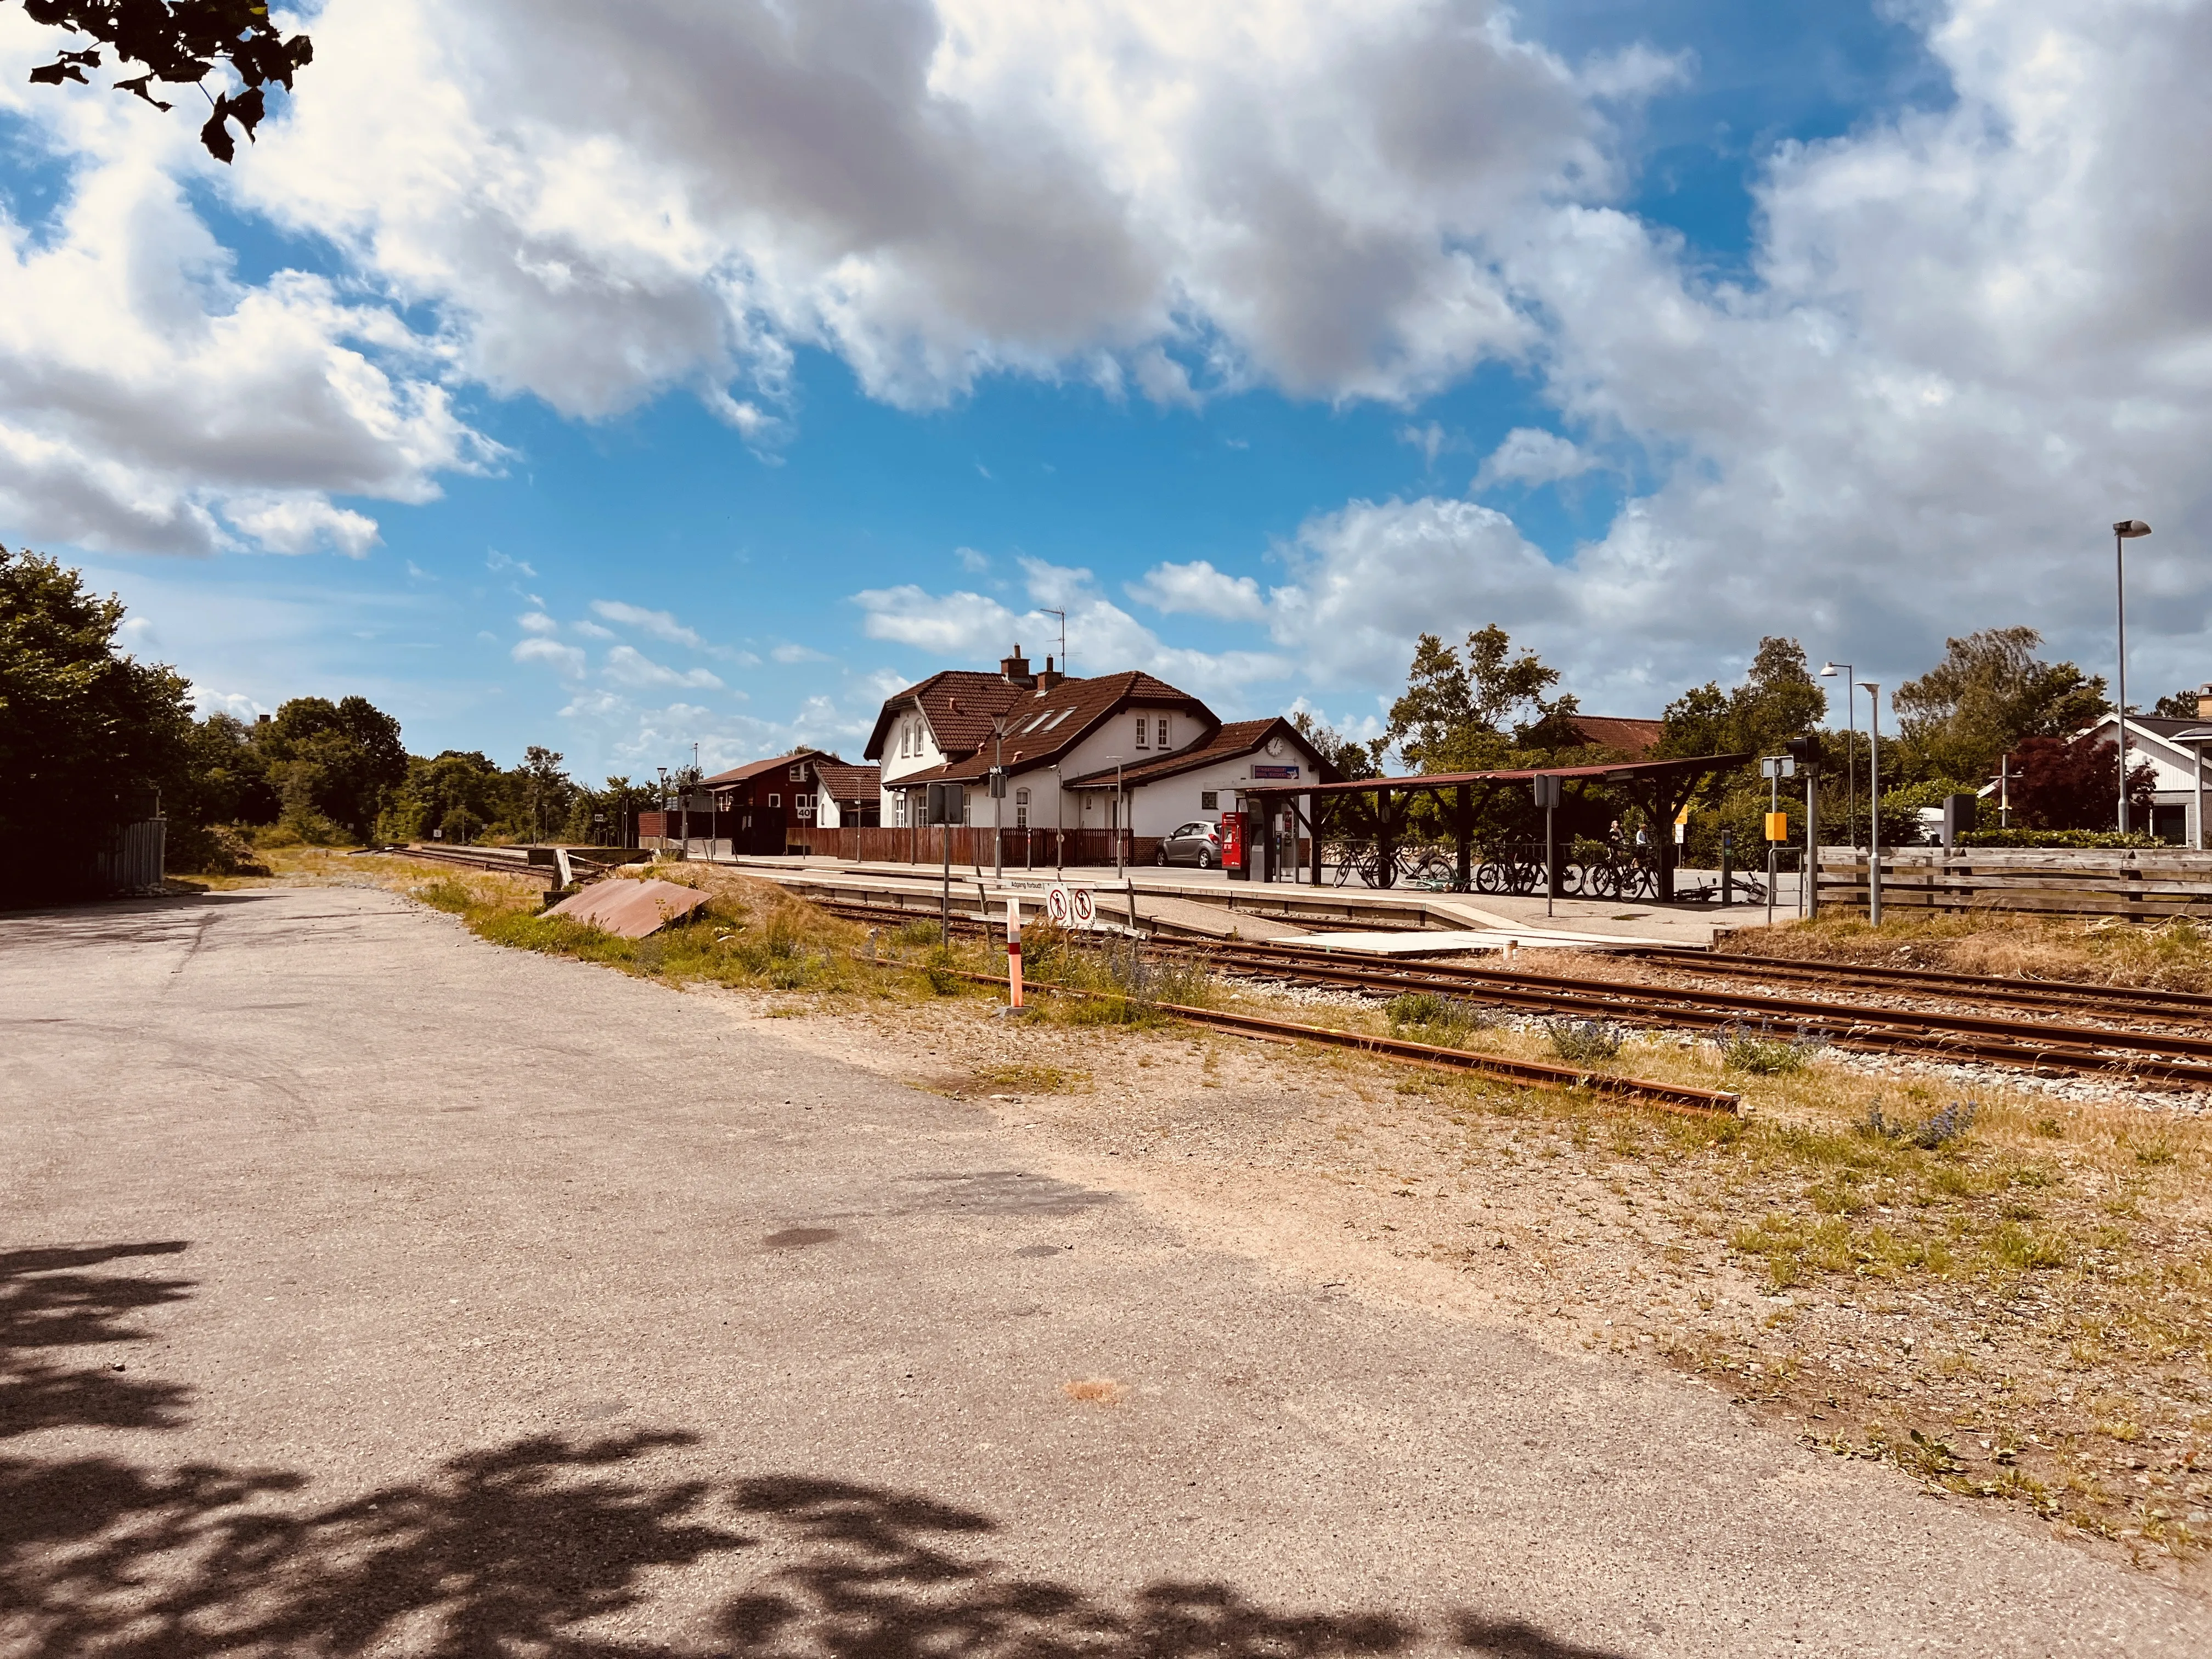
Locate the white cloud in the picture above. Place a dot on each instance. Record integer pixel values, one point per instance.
(536, 622)
(796, 653)
(592, 630)
(1199, 589)
(568, 661)
(499, 563)
(1530, 455)
(1103, 638)
(302, 523)
(627, 666)
(661, 624)
(973, 563)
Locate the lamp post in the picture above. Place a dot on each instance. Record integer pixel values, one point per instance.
(1116, 832)
(1873, 689)
(1850, 740)
(2124, 532)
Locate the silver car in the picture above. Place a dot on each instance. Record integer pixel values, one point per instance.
(1196, 842)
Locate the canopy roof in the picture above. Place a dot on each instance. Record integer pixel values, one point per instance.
(1626, 771)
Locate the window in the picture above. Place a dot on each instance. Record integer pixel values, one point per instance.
(798, 774)
(1144, 731)
(1058, 718)
(1209, 801)
(1021, 809)
(902, 739)
(898, 810)
(775, 800)
(1164, 731)
(1038, 722)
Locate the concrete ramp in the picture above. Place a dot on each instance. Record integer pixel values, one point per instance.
(630, 909)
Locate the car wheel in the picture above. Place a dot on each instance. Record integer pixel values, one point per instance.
(1160, 858)
(1205, 859)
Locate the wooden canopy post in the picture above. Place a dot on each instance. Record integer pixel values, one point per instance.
(1463, 834)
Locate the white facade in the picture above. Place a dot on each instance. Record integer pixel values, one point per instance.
(2177, 796)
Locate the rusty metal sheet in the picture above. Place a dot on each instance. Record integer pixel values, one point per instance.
(630, 909)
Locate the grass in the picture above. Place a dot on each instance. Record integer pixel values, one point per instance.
(2175, 954)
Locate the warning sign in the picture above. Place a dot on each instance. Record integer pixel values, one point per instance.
(1070, 907)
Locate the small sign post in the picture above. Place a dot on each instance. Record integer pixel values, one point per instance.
(1548, 797)
(1013, 952)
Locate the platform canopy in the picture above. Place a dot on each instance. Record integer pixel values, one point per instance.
(1659, 786)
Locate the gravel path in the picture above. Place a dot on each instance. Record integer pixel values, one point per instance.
(369, 1288)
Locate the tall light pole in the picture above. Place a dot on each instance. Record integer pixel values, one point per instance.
(1873, 689)
(2124, 532)
(1850, 738)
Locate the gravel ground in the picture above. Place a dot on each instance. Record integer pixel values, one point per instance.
(370, 1288)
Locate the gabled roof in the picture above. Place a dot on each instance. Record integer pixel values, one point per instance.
(1232, 742)
(1047, 724)
(846, 781)
(1635, 738)
(959, 704)
(752, 770)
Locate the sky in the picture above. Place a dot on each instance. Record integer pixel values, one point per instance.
(628, 378)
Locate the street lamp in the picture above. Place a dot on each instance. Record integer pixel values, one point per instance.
(1873, 689)
(1850, 738)
(2124, 532)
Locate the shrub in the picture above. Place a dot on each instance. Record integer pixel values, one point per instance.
(1444, 1021)
(1950, 1124)
(2056, 838)
(1582, 1040)
(1762, 1054)
(217, 849)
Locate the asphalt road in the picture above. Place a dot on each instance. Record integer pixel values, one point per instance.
(366, 1288)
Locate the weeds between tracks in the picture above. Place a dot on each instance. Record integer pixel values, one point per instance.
(2011, 1304)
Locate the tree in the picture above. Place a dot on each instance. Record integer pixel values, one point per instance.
(179, 42)
(1778, 700)
(2177, 705)
(88, 737)
(1454, 714)
(2061, 784)
(225, 776)
(333, 765)
(1989, 692)
(549, 790)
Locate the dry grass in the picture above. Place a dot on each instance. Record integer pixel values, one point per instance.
(2175, 955)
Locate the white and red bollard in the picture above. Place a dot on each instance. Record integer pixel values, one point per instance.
(1014, 949)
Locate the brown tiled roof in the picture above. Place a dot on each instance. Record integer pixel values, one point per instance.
(1634, 737)
(846, 781)
(1231, 742)
(754, 768)
(1070, 709)
(959, 704)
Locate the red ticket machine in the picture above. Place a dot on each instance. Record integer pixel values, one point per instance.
(1233, 845)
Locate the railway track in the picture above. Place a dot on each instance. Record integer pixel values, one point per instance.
(2063, 996)
(2038, 1045)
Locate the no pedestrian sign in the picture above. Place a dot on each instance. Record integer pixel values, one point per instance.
(1070, 907)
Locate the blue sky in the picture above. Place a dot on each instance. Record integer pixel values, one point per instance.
(624, 531)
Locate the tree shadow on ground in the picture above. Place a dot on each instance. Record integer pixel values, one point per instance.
(550, 1546)
(49, 1299)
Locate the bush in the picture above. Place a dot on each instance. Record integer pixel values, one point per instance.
(210, 850)
(1950, 1124)
(1445, 1021)
(2056, 838)
(1582, 1040)
(1759, 1051)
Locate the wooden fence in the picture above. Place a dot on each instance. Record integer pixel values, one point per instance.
(1018, 849)
(2141, 886)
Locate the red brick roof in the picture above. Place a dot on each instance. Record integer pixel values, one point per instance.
(1635, 738)
(846, 781)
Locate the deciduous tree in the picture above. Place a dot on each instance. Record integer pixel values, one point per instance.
(179, 43)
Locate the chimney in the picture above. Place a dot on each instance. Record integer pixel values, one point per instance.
(262, 719)
(1049, 678)
(2204, 701)
(1015, 670)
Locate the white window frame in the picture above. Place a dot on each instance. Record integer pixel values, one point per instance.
(1144, 731)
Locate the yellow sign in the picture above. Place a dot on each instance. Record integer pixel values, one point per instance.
(1682, 817)
(1777, 826)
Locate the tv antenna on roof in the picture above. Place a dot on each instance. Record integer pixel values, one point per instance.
(1062, 615)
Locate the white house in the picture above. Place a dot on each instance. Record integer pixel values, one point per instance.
(1064, 743)
(2173, 750)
